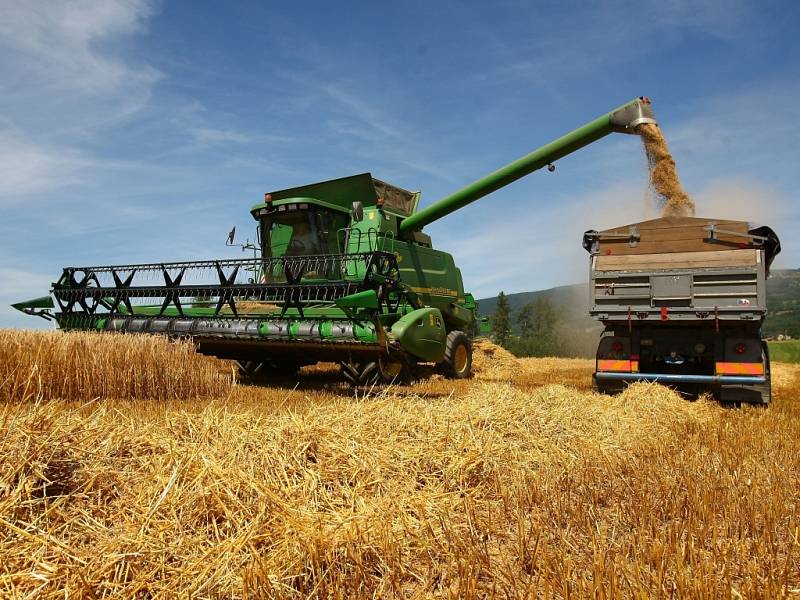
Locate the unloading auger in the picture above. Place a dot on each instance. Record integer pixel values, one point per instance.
(342, 273)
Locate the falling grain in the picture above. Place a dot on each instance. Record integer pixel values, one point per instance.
(664, 181)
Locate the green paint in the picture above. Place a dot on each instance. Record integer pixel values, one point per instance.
(365, 332)
(422, 333)
(366, 299)
(42, 302)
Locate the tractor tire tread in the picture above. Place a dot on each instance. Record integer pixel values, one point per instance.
(447, 366)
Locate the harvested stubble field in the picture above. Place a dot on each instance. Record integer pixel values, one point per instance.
(518, 483)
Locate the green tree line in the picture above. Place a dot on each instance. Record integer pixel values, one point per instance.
(537, 330)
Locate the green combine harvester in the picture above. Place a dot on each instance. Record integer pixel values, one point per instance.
(342, 272)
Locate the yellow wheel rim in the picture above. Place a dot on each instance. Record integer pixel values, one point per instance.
(460, 359)
(392, 369)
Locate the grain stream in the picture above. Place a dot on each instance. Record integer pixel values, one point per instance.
(664, 180)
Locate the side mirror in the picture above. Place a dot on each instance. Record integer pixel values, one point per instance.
(358, 212)
(231, 235)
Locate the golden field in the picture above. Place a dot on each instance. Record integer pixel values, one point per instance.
(130, 467)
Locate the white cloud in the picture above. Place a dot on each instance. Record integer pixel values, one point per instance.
(748, 128)
(538, 248)
(56, 45)
(62, 84)
(28, 168)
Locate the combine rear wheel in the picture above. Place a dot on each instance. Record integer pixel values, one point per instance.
(457, 362)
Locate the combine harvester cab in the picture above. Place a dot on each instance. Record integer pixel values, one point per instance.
(682, 300)
(342, 272)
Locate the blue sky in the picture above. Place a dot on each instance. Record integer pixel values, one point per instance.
(136, 131)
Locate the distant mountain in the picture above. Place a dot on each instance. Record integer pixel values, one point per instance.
(783, 302)
(572, 303)
(578, 332)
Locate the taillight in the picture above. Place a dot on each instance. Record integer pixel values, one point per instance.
(617, 347)
(739, 348)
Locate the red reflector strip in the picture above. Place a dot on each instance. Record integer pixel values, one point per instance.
(614, 365)
(739, 368)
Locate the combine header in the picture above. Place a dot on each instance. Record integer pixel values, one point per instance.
(342, 273)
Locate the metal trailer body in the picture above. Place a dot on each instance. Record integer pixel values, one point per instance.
(682, 300)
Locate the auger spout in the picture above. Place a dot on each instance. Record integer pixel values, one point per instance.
(624, 119)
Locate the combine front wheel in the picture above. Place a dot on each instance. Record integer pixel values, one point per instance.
(457, 362)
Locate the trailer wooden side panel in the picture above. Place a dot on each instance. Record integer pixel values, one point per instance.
(675, 234)
(677, 260)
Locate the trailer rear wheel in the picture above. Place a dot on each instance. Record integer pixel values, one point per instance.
(457, 362)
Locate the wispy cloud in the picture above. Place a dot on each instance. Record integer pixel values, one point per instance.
(61, 86)
(749, 127)
(610, 33)
(29, 168)
(55, 46)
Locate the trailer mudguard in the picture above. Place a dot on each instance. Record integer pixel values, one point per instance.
(422, 333)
